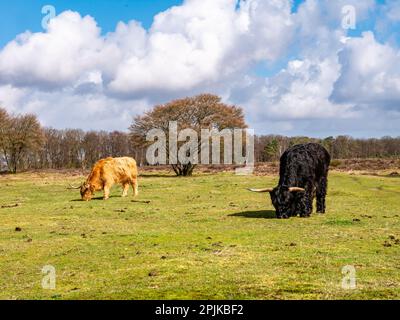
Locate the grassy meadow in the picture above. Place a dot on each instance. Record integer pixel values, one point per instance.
(203, 237)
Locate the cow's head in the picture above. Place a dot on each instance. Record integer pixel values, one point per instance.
(87, 191)
(282, 198)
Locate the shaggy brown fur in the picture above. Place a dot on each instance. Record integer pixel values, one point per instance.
(108, 172)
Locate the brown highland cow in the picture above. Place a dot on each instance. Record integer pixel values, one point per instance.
(106, 173)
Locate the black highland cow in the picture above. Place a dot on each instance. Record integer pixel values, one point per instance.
(303, 175)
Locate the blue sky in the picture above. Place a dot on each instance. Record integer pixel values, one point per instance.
(18, 16)
(21, 15)
(289, 64)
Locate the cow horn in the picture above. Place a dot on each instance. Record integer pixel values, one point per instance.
(73, 187)
(296, 189)
(261, 190)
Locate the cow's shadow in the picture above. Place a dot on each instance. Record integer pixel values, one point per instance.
(263, 214)
(95, 199)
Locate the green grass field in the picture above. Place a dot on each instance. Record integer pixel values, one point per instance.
(203, 237)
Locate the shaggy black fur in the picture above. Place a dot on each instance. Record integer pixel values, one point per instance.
(305, 166)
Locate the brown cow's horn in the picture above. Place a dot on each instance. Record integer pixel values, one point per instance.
(296, 189)
(73, 187)
(261, 190)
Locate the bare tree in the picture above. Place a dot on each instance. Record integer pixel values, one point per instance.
(21, 135)
(118, 144)
(4, 125)
(4, 118)
(204, 111)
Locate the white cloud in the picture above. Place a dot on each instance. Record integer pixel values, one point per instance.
(75, 76)
(370, 73)
(205, 41)
(299, 92)
(302, 91)
(72, 68)
(393, 10)
(54, 59)
(66, 109)
(186, 46)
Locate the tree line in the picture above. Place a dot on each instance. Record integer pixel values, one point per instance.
(271, 147)
(26, 145)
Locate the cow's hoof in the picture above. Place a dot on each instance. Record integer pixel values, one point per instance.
(284, 216)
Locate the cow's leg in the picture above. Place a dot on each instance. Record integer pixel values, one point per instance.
(135, 186)
(107, 189)
(321, 194)
(126, 189)
(306, 202)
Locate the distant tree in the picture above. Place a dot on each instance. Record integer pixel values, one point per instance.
(341, 148)
(119, 144)
(299, 140)
(328, 144)
(91, 143)
(50, 156)
(72, 148)
(204, 111)
(4, 118)
(20, 135)
(272, 150)
(4, 125)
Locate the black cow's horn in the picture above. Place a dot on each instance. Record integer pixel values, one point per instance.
(296, 189)
(261, 190)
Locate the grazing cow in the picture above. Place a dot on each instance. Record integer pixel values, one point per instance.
(106, 173)
(303, 174)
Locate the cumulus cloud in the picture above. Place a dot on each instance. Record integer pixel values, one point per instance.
(66, 109)
(370, 73)
(350, 83)
(75, 75)
(189, 48)
(298, 94)
(57, 58)
(302, 90)
(186, 46)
